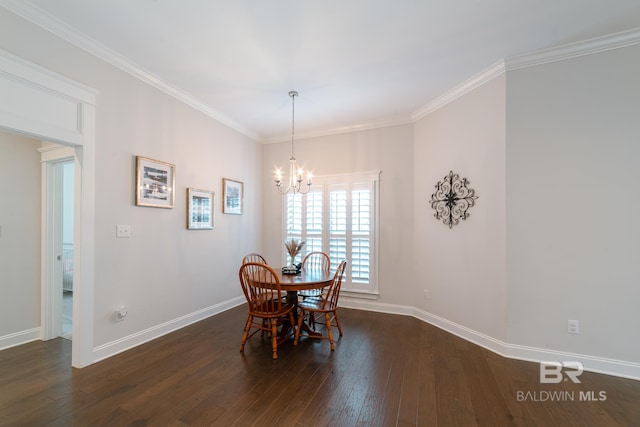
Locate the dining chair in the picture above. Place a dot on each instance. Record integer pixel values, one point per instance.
(318, 260)
(265, 301)
(324, 306)
(254, 257)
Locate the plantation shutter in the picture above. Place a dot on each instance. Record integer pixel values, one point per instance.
(338, 216)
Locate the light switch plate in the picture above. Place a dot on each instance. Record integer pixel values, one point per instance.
(123, 231)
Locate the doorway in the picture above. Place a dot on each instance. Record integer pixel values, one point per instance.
(65, 114)
(58, 238)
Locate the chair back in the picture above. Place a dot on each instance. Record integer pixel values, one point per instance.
(318, 260)
(261, 287)
(333, 290)
(254, 257)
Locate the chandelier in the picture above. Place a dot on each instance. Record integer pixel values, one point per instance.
(295, 180)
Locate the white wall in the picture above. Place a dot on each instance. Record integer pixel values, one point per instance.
(19, 234)
(389, 150)
(163, 272)
(463, 268)
(573, 236)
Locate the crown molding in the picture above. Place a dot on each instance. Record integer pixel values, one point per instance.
(539, 57)
(463, 88)
(57, 27)
(574, 50)
(559, 53)
(399, 121)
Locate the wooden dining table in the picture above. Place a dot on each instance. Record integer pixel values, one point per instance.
(312, 278)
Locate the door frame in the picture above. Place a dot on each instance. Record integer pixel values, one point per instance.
(52, 159)
(65, 114)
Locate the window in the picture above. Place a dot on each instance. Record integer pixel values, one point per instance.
(338, 216)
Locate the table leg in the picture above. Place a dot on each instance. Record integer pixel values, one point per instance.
(292, 298)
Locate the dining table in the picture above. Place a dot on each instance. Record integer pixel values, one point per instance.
(311, 278)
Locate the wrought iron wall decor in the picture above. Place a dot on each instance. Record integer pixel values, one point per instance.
(452, 199)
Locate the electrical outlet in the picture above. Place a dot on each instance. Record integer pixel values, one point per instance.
(573, 326)
(426, 293)
(121, 313)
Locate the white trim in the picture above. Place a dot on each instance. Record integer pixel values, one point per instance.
(359, 294)
(343, 178)
(126, 343)
(531, 59)
(51, 152)
(574, 50)
(19, 338)
(32, 83)
(603, 365)
(34, 75)
(463, 88)
(383, 123)
(52, 24)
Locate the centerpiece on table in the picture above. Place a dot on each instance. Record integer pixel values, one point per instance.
(293, 248)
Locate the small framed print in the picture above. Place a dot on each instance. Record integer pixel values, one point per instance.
(155, 183)
(232, 193)
(200, 209)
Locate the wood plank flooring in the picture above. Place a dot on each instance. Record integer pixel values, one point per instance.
(387, 370)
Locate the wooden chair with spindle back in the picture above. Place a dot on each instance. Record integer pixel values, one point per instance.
(254, 257)
(327, 306)
(264, 295)
(318, 260)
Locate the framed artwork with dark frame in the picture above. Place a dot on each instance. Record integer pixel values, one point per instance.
(155, 183)
(200, 209)
(233, 195)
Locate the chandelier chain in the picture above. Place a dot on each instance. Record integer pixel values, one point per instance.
(293, 95)
(296, 176)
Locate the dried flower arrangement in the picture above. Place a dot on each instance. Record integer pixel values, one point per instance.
(293, 248)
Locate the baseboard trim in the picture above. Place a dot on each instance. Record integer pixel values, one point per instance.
(618, 368)
(19, 338)
(126, 343)
(602, 365)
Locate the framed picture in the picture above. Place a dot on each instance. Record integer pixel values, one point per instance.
(232, 193)
(200, 209)
(155, 183)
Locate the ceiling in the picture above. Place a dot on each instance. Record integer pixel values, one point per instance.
(356, 64)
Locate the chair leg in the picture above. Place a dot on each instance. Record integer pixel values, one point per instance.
(297, 334)
(328, 320)
(274, 337)
(335, 315)
(293, 323)
(312, 320)
(245, 335)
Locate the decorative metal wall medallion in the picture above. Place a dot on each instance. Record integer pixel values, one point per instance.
(452, 199)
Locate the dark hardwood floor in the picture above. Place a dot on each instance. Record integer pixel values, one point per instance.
(387, 370)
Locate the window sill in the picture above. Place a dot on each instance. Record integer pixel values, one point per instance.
(360, 294)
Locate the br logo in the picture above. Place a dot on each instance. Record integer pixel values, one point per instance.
(552, 372)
